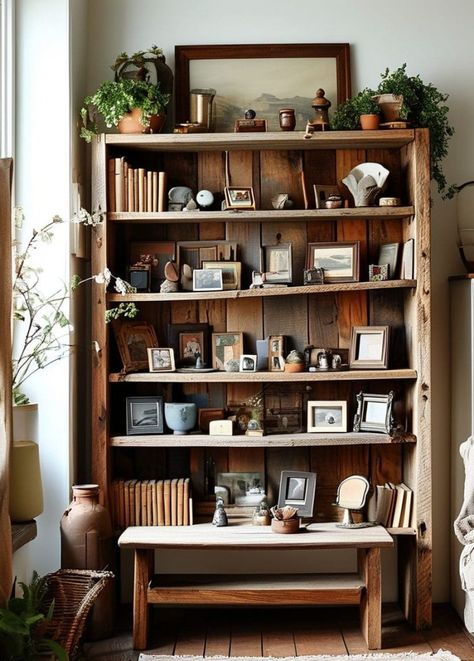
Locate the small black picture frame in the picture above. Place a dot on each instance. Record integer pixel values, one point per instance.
(144, 415)
(298, 489)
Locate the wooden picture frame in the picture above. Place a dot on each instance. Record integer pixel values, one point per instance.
(231, 273)
(278, 264)
(207, 280)
(226, 346)
(298, 489)
(374, 413)
(338, 259)
(276, 348)
(239, 197)
(369, 347)
(144, 415)
(161, 359)
(187, 340)
(327, 416)
(287, 72)
(134, 338)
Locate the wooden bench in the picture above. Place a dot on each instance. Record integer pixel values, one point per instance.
(363, 588)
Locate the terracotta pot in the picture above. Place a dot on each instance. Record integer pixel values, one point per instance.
(294, 367)
(390, 106)
(130, 123)
(87, 543)
(288, 527)
(369, 122)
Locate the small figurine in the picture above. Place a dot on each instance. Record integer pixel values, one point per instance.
(261, 515)
(199, 364)
(220, 517)
(323, 359)
(321, 106)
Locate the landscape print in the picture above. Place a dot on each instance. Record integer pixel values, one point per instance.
(266, 85)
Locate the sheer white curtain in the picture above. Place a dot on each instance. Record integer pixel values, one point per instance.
(7, 17)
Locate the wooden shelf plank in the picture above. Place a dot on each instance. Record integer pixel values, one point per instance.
(261, 377)
(397, 532)
(261, 215)
(268, 140)
(22, 533)
(271, 440)
(256, 590)
(262, 293)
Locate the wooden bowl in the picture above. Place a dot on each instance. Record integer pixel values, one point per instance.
(288, 527)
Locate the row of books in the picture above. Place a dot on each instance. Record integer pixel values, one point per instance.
(152, 502)
(135, 189)
(394, 504)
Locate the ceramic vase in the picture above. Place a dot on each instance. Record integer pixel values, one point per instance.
(287, 119)
(181, 418)
(87, 543)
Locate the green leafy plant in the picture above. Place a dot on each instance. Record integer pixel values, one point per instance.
(346, 117)
(114, 99)
(22, 624)
(425, 106)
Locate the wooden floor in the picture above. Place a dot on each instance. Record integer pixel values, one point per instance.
(285, 632)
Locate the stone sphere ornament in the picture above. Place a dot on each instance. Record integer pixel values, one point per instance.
(205, 199)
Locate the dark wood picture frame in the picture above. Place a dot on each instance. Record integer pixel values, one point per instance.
(134, 359)
(175, 337)
(184, 55)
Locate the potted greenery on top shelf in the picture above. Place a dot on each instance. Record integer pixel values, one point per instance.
(423, 106)
(352, 113)
(131, 102)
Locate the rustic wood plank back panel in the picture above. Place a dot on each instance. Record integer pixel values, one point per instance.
(280, 172)
(322, 321)
(287, 317)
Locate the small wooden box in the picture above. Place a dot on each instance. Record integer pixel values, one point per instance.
(250, 125)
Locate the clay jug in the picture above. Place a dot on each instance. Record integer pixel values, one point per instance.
(87, 543)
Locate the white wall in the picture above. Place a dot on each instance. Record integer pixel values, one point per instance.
(43, 188)
(433, 38)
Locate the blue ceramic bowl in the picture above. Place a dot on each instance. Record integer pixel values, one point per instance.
(181, 418)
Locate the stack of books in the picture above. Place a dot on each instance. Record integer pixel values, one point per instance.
(152, 503)
(135, 189)
(394, 505)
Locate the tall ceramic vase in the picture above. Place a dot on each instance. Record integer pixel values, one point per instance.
(87, 543)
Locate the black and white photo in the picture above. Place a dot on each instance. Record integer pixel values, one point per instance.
(144, 415)
(327, 416)
(207, 280)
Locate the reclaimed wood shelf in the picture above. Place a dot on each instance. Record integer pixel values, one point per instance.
(238, 590)
(150, 297)
(22, 533)
(397, 532)
(270, 440)
(280, 140)
(261, 377)
(261, 215)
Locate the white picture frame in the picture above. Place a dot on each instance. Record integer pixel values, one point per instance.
(207, 280)
(327, 416)
(248, 362)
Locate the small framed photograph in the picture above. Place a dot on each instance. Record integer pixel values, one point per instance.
(322, 193)
(139, 276)
(134, 338)
(374, 413)
(161, 360)
(239, 198)
(326, 416)
(207, 280)
(278, 263)
(144, 415)
(276, 349)
(340, 260)
(243, 489)
(298, 489)
(189, 341)
(231, 272)
(226, 346)
(388, 254)
(378, 272)
(369, 347)
(248, 363)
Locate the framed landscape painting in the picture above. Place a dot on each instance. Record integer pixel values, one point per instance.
(264, 77)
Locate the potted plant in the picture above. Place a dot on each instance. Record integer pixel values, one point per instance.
(133, 106)
(423, 106)
(360, 111)
(22, 623)
(140, 65)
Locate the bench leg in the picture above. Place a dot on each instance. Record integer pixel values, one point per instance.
(371, 601)
(143, 570)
